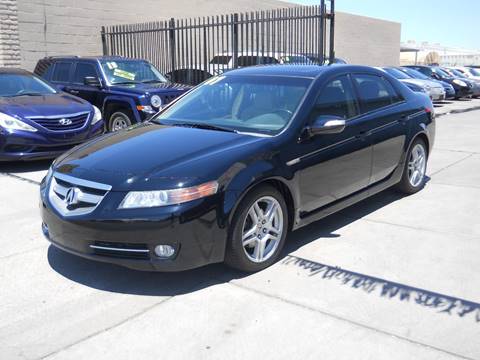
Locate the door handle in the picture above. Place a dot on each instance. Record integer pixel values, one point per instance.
(73, 92)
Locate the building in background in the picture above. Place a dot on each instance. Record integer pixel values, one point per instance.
(30, 30)
(425, 53)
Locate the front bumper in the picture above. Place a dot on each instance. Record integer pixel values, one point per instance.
(191, 229)
(22, 145)
(463, 92)
(437, 94)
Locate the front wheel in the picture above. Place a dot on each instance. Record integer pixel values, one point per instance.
(119, 120)
(258, 232)
(414, 173)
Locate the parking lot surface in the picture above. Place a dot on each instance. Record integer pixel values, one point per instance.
(392, 277)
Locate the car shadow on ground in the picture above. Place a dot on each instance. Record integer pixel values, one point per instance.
(19, 167)
(108, 277)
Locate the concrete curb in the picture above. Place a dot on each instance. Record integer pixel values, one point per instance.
(459, 111)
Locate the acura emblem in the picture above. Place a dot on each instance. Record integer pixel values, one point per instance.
(65, 121)
(71, 197)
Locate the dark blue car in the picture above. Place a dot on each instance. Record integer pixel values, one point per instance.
(127, 91)
(39, 122)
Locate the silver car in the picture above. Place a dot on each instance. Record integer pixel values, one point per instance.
(434, 90)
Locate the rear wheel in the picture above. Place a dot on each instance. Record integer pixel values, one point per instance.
(119, 120)
(259, 229)
(414, 173)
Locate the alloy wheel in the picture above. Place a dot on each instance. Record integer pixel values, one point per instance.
(262, 229)
(119, 122)
(417, 165)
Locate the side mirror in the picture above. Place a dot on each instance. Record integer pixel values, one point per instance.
(92, 81)
(326, 124)
(435, 76)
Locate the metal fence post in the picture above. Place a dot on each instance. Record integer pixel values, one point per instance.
(332, 31)
(321, 36)
(104, 41)
(171, 35)
(235, 40)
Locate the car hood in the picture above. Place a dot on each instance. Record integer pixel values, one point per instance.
(151, 157)
(154, 88)
(422, 83)
(47, 105)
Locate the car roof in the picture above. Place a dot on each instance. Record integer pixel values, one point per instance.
(308, 71)
(14, 71)
(100, 57)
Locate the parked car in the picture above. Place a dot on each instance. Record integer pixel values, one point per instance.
(470, 73)
(243, 159)
(434, 90)
(39, 122)
(475, 83)
(462, 88)
(316, 60)
(223, 62)
(449, 89)
(127, 91)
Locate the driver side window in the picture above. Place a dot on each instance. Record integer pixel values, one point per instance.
(337, 99)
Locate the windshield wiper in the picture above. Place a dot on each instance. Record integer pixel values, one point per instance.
(203, 126)
(29, 94)
(126, 83)
(153, 81)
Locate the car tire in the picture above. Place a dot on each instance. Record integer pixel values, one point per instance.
(415, 168)
(119, 120)
(247, 238)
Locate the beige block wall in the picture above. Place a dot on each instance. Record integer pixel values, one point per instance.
(60, 27)
(9, 42)
(367, 41)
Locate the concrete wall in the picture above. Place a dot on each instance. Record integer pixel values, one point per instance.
(367, 41)
(9, 40)
(59, 27)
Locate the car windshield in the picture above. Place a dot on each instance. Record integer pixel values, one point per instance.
(457, 73)
(415, 74)
(221, 60)
(23, 85)
(442, 73)
(295, 59)
(397, 74)
(131, 72)
(252, 104)
(474, 72)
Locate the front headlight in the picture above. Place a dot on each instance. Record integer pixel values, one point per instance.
(156, 101)
(10, 123)
(97, 116)
(149, 199)
(460, 82)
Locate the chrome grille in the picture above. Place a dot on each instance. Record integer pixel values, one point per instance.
(62, 122)
(72, 196)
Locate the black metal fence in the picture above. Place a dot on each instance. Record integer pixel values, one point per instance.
(192, 50)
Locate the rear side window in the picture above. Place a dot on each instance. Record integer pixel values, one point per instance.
(336, 99)
(82, 70)
(375, 92)
(61, 71)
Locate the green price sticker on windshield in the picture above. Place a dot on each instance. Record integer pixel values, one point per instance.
(124, 74)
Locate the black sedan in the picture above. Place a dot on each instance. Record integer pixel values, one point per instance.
(225, 172)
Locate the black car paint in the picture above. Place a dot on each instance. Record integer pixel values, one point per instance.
(318, 176)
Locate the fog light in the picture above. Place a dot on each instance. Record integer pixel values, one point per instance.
(164, 251)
